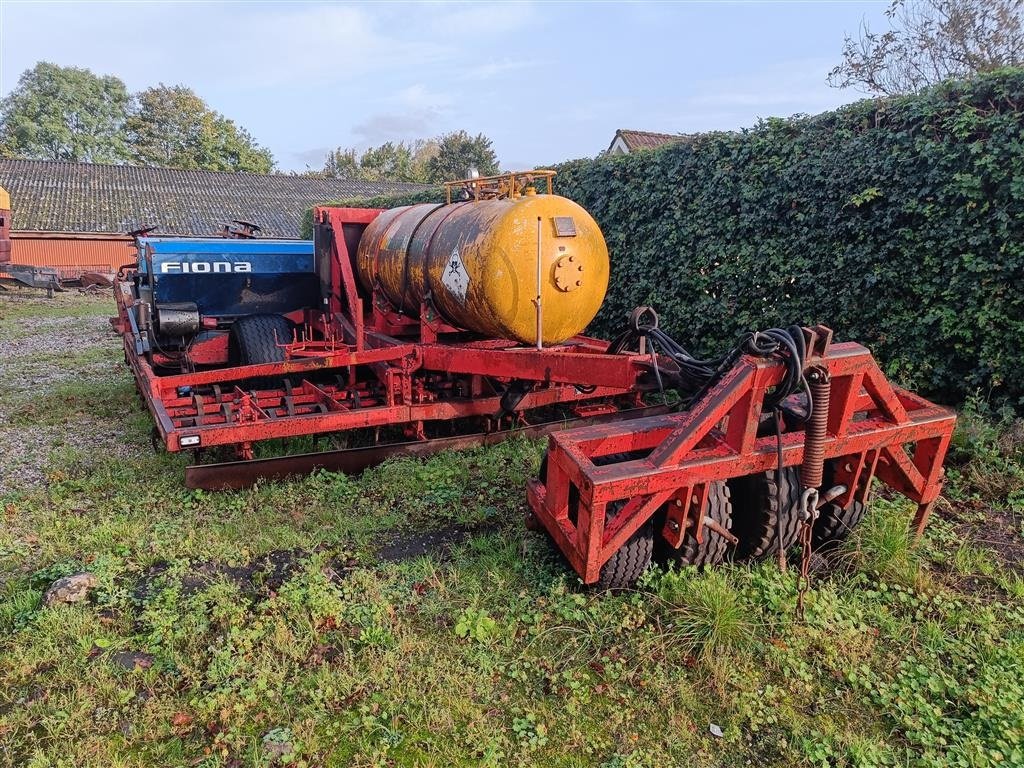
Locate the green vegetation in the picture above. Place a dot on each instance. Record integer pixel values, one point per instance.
(266, 627)
(425, 161)
(894, 221)
(381, 201)
(71, 114)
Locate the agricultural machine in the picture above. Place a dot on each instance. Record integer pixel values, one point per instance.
(28, 275)
(416, 329)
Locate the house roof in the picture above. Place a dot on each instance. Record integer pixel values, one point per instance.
(644, 139)
(83, 197)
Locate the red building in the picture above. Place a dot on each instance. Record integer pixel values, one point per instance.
(76, 216)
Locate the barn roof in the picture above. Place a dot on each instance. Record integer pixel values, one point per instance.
(58, 196)
(644, 139)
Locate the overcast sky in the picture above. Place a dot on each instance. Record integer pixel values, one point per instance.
(546, 81)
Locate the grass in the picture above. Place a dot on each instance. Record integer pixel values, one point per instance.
(491, 653)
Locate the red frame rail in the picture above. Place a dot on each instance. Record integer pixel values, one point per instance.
(871, 425)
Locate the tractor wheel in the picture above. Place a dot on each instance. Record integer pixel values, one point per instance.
(758, 502)
(633, 558)
(714, 548)
(622, 569)
(254, 340)
(834, 523)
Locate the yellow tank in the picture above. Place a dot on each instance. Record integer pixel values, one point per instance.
(477, 260)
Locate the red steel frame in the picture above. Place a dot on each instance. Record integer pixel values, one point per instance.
(871, 425)
(387, 369)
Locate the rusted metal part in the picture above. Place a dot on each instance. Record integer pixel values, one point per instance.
(871, 425)
(243, 474)
(240, 230)
(812, 468)
(725, 533)
(812, 473)
(500, 187)
(99, 279)
(34, 277)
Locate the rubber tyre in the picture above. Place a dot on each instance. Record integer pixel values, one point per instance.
(834, 523)
(254, 340)
(622, 569)
(756, 503)
(630, 561)
(714, 549)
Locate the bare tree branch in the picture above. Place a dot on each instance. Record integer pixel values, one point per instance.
(931, 41)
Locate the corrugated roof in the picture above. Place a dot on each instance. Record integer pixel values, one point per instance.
(645, 139)
(85, 197)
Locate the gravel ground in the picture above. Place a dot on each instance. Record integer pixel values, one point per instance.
(44, 345)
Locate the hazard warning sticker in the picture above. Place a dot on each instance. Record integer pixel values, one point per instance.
(455, 278)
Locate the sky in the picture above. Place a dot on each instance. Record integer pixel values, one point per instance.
(546, 81)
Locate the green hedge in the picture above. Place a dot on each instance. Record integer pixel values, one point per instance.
(381, 201)
(900, 224)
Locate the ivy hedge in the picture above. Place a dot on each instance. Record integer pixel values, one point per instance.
(899, 223)
(380, 201)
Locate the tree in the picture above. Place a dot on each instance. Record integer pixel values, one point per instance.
(64, 113)
(931, 41)
(340, 164)
(388, 162)
(458, 153)
(172, 127)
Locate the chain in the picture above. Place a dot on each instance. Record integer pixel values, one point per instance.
(808, 513)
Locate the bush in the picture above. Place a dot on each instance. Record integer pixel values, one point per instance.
(898, 223)
(381, 201)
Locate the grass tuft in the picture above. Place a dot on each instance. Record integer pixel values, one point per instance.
(882, 546)
(706, 614)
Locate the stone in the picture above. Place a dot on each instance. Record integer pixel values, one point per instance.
(70, 589)
(132, 660)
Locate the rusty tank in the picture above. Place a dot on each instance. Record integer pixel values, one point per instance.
(482, 263)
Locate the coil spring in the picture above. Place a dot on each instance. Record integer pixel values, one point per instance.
(813, 467)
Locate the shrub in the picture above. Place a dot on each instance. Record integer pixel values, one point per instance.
(898, 223)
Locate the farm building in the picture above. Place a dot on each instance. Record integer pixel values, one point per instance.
(626, 141)
(76, 216)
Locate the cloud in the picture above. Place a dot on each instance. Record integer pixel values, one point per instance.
(415, 113)
(395, 127)
(250, 47)
(492, 69)
(418, 96)
(480, 20)
(320, 45)
(780, 90)
(310, 158)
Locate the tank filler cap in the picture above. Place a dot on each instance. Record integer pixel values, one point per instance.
(568, 273)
